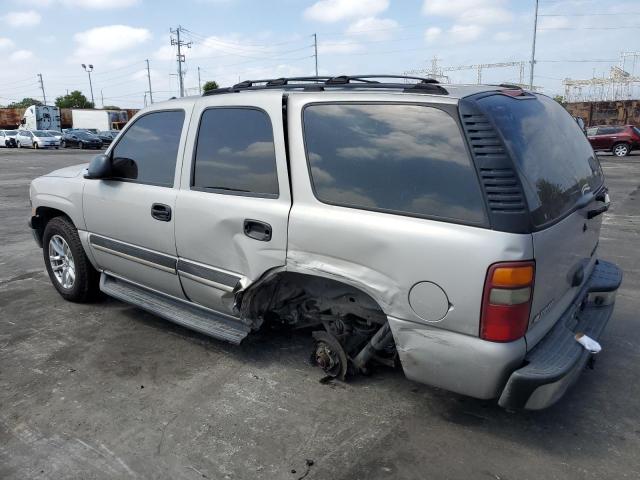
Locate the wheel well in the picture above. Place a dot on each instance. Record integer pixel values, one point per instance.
(302, 300)
(42, 217)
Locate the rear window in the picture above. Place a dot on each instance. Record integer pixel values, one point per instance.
(555, 161)
(407, 159)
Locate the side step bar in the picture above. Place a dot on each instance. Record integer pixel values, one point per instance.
(175, 310)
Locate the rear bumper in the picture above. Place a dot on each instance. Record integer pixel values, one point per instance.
(554, 364)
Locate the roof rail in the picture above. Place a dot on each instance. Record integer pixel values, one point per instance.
(422, 85)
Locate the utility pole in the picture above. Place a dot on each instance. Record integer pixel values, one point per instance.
(533, 47)
(149, 78)
(44, 97)
(89, 69)
(315, 51)
(102, 98)
(199, 83)
(180, 56)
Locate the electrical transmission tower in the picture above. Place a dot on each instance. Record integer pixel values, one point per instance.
(621, 84)
(180, 56)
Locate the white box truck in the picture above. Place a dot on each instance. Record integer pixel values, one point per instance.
(41, 117)
(99, 120)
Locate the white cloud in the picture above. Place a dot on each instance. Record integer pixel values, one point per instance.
(372, 27)
(6, 42)
(101, 4)
(339, 47)
(19, 55)
(27, 18)
(109, 39)
(551, 23)
(465, 33)
(482, 12)
(432, 33)
(336, 10)
(505, 36)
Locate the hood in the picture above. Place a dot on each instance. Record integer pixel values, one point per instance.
(68, 172)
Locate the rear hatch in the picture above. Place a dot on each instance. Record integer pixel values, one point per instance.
(562, 180)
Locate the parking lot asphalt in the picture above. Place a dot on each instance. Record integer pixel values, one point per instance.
(106, 390)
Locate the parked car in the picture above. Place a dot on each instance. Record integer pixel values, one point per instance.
(8, 138)
(107, 136)
(435, 225)
(81, 139)
(619, 140)
(56, 134)
(36, 139)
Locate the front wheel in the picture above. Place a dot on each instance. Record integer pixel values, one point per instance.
(67, 264)
(63, 144)
(621, 150)
(81, 145)
(35, 145)
(18, 145)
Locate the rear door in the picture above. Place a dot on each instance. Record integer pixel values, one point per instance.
(561, 177)
(233, 206)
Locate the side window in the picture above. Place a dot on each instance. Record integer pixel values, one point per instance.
(235, 152)
(148, 150)
(591, 132)
(406, 159)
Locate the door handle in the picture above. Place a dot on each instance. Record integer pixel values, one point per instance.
(161, 212)
(257, 230)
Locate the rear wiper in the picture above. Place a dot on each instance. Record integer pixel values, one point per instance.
(601, 197)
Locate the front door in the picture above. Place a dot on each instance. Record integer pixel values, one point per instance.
(131, 217)
(233, 207)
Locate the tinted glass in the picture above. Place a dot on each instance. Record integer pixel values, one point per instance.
(398, 158)
(235, 152)
(148, 150)
(637, 130)
(592, 131)
(554, 159)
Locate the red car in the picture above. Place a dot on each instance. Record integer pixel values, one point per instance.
(619, 140)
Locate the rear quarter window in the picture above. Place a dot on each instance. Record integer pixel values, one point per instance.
(404, 159)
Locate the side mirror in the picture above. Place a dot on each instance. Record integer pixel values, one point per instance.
(100, 167)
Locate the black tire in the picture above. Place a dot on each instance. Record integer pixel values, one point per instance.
(63, 144)
(18, 145)
(81, 145)
(621, 149)
(85, 285)
(36, 146)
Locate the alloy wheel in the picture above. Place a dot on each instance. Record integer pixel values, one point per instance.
(61, 261)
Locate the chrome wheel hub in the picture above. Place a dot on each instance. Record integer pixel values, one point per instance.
(620, 150)
(61, 260)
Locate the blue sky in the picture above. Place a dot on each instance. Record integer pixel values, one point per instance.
(240, 39)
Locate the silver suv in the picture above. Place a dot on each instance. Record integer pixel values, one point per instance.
(451, 228)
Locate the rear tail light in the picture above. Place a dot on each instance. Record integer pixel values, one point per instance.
(506, 301)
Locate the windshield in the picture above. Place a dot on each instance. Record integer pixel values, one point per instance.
(555, 161)
(11, 133)
(54, 132)
(41, 133)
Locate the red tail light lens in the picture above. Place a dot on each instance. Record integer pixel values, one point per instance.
(506, 301)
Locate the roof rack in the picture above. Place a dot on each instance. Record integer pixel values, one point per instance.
(422, 85)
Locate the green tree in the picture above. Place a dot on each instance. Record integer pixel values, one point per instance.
(24, 103)
(210, 85)
(560, 100)
(74, 99)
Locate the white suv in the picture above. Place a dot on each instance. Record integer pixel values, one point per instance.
(451, 228)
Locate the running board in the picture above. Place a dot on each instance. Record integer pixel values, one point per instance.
(175, 310)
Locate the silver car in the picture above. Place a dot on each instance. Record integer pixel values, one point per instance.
(451, 229)
(56, 134)
(36, 139)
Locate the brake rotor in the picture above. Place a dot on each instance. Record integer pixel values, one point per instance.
(329, 355)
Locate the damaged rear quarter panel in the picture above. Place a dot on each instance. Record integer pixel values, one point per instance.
(386, 254)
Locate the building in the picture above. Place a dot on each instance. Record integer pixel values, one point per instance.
(619, 112)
